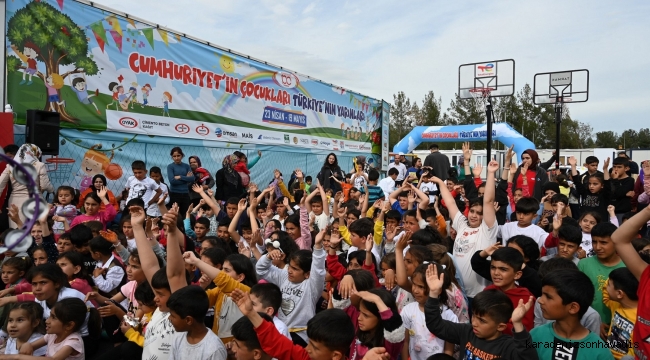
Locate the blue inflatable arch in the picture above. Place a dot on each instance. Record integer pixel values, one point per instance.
(501, 132)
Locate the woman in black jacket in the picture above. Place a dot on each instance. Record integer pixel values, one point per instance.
(228, 181)
(330, 168)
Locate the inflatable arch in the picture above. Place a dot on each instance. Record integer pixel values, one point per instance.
(461, 133)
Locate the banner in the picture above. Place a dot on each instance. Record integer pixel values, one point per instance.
(102, 71)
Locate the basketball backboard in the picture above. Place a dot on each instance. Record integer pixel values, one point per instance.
(498, 75)
(567, 86)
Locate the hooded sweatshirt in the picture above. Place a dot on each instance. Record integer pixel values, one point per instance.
(516, 294)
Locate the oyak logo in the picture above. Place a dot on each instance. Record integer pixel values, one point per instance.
(128, 122)
(486, 67)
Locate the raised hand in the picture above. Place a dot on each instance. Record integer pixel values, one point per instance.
(434, 281)
(606, 164)
(285, 202)
(242, 205)
(573, 161)
(509, 154)
(477, 170)
(210, 193)
(277, 174)
(493, 166)
(557, 222)
(161, 199)
(467, 152)
(369, 242)
(243, 301)
(403, 241)
(197, 188)
(318, 241)
(378, 204)
(347, 287)
(611, 210)
(137, 215)
(521, 310)
(299, 174)
(513, 168)
(190, 258)
(335, 240)
(275, 254)
(389, 279)
(169, 219)
(491, 249)
(102, 193)
(340, 212)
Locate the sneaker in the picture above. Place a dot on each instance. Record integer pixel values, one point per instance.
(22, 82)
(29, 82)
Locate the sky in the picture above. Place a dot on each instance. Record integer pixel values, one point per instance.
(378, 48)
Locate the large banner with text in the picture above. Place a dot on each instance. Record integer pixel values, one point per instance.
(104, 71)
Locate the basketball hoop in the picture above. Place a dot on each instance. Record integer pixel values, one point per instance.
(62, 168)
(480, 96)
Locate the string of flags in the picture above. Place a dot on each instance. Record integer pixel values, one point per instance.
(364, 104)
(118, 35)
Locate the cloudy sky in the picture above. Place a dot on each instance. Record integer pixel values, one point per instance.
(378, 48)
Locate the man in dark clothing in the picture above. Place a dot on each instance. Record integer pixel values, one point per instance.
(439, 162)
(634, 167)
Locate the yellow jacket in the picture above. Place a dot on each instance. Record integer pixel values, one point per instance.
(220, 296)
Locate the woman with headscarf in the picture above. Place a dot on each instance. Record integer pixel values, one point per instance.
(331, 169)
(99, 181)
(535, 175)
(201, 177)
(27, 154)
(228, 181)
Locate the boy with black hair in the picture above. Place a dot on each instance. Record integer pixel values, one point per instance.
(483, 338)
(597, 268)
(622, 239)
(375, 191)
(591, 318)
(387, 184)
(620, 296)
(592, 169)
(80, 236)
(566, 295)
(330, 334)
(224, 235)
(267, 299)
(200, 231)
(142, 187)
(360, 230)
(526, 209)
(622, 187)
(402, 202)
(187, 309)
(245, 344)
(569, 238)
(505, 270)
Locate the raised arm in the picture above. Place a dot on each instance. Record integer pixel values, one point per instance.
(232, 228)
(623, 237)
(175, 263)
(208, 199)
(148, 259)
(489, 214)
(606, 169)
(450, 202)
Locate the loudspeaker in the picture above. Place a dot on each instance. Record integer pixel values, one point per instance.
(42, 130)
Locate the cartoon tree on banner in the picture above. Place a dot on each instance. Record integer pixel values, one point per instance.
(58, 41)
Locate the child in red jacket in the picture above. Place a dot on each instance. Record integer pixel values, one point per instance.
(506, 268)
(323, 342)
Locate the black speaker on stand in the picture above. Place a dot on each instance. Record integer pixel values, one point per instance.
(42, 130)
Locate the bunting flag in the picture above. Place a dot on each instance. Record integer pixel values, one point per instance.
(148, 33)
(100, 41)
(164, 36)
(60, 2)
(131, 22)
(351, 97)
(100, 33)
(112, 21)
(117, 38)
(177, 37)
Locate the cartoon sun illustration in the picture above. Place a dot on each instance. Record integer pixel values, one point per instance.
(227, 64)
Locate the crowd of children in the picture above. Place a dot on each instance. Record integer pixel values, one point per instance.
(353, 268)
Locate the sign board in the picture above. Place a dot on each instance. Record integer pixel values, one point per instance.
(486, 70)
(103, 71)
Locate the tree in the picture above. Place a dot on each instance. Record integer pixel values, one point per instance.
(431, 110)
(58, 41)
(399, 118)
(607, 139)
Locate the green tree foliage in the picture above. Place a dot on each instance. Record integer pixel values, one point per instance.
(58, 42)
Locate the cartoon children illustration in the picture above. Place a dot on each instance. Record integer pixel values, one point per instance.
(78, 85)
(93, 163)
(133, 95)
(53, 83)
(146, 89)
(28, 56)
(342, 129)
(167, 99)
(116, 89)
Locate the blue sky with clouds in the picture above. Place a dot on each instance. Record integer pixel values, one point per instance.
(381, 47)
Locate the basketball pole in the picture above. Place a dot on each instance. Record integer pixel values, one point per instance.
(558, 125)
(488, 116)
